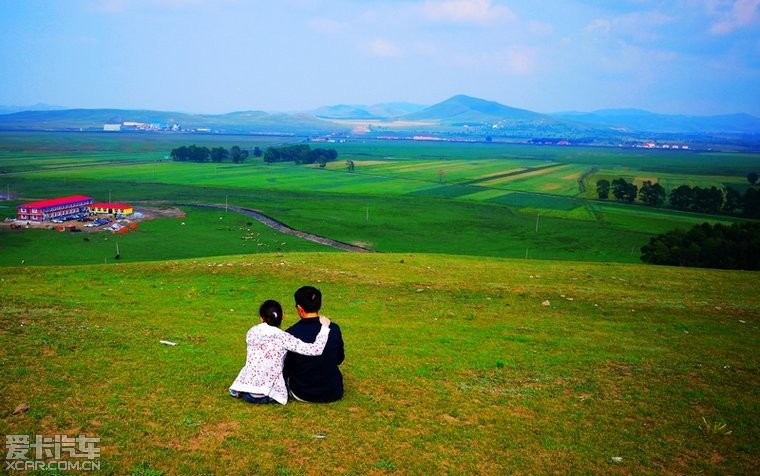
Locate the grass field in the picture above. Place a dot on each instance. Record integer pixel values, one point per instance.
(214, 232)
(453, 366)
(504, 327)
(501, 200)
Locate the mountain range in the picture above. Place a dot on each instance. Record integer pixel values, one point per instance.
(458, 115)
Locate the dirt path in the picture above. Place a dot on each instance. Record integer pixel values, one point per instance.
(283, 228)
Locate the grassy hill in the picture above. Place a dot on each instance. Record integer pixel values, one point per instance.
(463, 108)
(243, 122)
(460, 116)
(638, 120)
(455, 365)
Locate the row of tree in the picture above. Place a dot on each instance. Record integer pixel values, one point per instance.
(195, 153)
(300, 154)
(707, 246)
(684, 197)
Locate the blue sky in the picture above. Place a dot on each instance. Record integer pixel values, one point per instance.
(697, 57)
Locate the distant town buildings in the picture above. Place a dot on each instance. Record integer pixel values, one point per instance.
(140, 126)
(654, 145)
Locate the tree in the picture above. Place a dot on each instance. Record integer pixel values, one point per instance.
(257, 151)
(198, 154)
(219, 154)
(711, 246)
(752, 178)
(652, 195)
(624, 191)
(751, 203)
(180, 154)
(272, 154)
(321, 156)
(631, 192)
(682, 198)
(619, 188)
(732, 200)
(707, 200)
(238, 155)
(603, 188)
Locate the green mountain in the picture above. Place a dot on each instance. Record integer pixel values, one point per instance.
(245, 122)
(466, 109)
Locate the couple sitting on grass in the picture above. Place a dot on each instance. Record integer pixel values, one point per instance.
(302, 361)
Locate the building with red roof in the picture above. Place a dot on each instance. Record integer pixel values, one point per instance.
(54, 208)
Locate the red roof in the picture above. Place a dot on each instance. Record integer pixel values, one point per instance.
(115, 206)
(53, 202)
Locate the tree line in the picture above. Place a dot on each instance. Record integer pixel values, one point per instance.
(695, 199)
(300, 154)
(707, 246)
(195, 153)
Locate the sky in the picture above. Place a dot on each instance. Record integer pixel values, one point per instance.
(695, 57)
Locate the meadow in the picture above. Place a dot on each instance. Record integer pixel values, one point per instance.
(504, 325)
(499, 200)
(455, 365)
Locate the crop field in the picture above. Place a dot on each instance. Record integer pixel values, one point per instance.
(502, 200)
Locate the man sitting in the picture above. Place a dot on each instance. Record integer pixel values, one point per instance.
(314, 378)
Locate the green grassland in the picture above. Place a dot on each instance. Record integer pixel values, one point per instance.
(501, 200)
(215, 232)
(453, 366)
(504, 327)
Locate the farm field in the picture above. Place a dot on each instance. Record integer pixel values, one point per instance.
(499, 200)
(455, 365)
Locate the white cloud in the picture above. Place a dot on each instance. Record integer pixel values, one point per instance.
(466, 11)
(637, 25)
(732, 16)
(383, 48)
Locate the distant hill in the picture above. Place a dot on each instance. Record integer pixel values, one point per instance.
(637, 120)
(455, 117)
(374, 112)
(245, 122)
(463, 109)
(343, 111)
(5, 109)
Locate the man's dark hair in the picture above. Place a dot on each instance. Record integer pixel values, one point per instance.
(309, 298)
(271, 312)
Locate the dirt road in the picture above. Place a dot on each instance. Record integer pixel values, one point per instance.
(283, 228)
